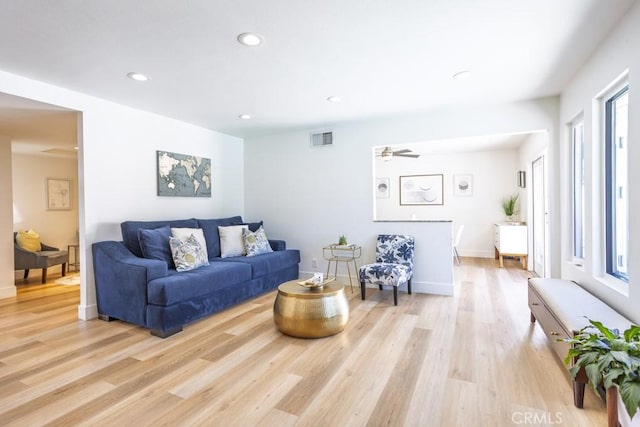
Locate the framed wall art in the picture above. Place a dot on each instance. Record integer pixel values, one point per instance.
(182, 175)
(463, 185)
(58, 194)
(422, 190)
(382, 188)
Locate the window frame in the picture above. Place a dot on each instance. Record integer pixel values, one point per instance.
(611, 184)
(578, 226)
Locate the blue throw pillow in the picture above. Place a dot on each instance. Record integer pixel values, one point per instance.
(154, 244)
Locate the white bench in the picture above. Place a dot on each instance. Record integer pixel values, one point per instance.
(560, 306)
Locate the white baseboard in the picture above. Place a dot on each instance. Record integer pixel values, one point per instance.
(419, 287)
(477, 253)
(87, 312)
(8, 292)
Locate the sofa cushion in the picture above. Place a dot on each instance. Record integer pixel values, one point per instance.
(264, 264)
(231, 242)
(256, 243)
(154, 244)
(130, 231)
(184, 233)
(186, 285)
(210, 230)
(187, 253)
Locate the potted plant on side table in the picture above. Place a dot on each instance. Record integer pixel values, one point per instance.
(611, 360)
(509, 206)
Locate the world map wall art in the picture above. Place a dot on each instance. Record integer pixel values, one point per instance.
(181, 175)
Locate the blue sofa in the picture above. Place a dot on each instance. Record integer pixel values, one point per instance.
(152, 294)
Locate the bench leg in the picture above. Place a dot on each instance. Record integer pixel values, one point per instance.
(501, 261)
(578, 394)
(523, 259)
(533, 318)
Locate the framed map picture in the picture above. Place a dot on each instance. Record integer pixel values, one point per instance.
(58, 194)
(182, 175)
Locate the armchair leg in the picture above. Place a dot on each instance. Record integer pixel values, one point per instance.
(409, 286)
(395, 295)
(26, 273)
(362, 290)
(64, 268)
(44, 276)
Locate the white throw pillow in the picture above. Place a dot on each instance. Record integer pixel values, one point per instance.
(184, 233)
(231, 241)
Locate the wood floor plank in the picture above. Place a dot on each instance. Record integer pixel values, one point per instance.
(472, 358)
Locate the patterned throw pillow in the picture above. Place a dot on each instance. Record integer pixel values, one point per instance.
(29, 240)
(187, 254)
(256, 242)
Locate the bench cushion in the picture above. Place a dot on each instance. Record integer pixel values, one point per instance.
(570, 303)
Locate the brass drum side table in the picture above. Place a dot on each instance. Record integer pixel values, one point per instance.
(310, 312)
(342, 253)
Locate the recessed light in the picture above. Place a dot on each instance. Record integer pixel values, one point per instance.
(462, 75)
(334, 99)
(245, 116)
(137, 77)
(250, 39)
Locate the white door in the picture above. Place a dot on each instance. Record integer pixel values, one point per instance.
(539, 218)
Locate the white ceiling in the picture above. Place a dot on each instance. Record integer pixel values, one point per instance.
(384, 58)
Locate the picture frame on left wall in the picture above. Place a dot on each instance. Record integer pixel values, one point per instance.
(58, 191)
(382, 188)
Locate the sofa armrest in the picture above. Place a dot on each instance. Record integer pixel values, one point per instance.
(278, 245)
(24, 259)
(48, 248)
(121, 281)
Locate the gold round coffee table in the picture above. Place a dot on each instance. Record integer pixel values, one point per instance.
(310, 312)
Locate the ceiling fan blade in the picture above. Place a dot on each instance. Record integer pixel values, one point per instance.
(404, 150)
(414, 156)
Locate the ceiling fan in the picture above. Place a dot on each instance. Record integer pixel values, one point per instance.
(388, 154)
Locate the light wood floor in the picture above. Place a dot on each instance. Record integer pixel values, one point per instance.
(469, 360)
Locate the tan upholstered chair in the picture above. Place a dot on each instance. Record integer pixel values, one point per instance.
(45, 258)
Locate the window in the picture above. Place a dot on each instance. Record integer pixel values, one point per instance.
(616, 182)
(577, 132)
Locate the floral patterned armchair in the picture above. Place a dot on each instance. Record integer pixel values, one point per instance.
(393, 266)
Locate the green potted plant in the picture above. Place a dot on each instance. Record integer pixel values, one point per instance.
(610, 359)
(342, 240)
(509, 206)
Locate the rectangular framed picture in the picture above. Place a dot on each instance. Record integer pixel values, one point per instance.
(383, 190)
(183, 175)
(58, 194)
(463, 185)
(422, 190)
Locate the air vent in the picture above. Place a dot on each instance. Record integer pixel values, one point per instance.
(321, 139)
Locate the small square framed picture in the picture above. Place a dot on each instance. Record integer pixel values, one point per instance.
(463, 185)
(382, 188)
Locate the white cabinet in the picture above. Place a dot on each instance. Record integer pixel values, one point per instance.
(510, 239)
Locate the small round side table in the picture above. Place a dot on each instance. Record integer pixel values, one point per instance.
(304, 312)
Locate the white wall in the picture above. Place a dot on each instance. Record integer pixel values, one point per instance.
(309, 196)
(494, 178)
(56, 228)
(117, 168)
(616, 54)
(7, 287)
